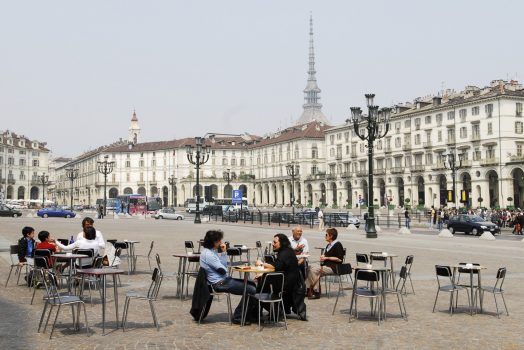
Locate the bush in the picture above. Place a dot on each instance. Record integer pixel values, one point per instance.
(334, 206)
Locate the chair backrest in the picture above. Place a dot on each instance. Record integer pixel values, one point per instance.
(367, 275)
(258, 244)
(501, 276)
(112, 241)
(269, 259)
(43, 252)
(156, 281)
(189, 246)
(122, 245)
(41, 262)
(362, 258)
(85, 261)
(443, 271)
(13, 253)
(274, 281)
(409, 260)
(377, 256)
(158, 263)
(99, 262)
(64, 241)
(151, 249)
(49, 279)
(402, 280)
(118, 251)
(234, 251)
(344, 269)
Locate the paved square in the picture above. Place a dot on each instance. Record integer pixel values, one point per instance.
(423, 330)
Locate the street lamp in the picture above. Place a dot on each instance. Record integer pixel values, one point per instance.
(200, 158)
(44, 180)
(72, 175)
(292, 170)
(172, 182)
(228, 176)
(105, 168)
(453, 166)
(372, 131)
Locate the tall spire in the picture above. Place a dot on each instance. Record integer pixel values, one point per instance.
(312, 106)
(134, 130)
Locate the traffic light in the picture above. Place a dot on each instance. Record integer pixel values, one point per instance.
(451, 196)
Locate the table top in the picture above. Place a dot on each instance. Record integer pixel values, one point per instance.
(186, 255)
(69, 256)
(373, 268)
(388, 255)
(100, 271)
(465, 267)
(252, 269)
(132, 242)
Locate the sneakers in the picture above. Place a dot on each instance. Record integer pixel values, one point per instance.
(315, 295)
(237, 321)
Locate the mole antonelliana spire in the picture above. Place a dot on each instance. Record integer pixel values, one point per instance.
(312, 105)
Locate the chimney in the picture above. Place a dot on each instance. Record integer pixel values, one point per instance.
(437, 100)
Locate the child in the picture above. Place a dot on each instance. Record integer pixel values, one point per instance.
(26, 246)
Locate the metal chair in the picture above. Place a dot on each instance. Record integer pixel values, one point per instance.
(193, 263)
(377, 256)
(233, 253)
(13, 256)
(41, 265)
(54, 298)
(275, 284)
(213, 293)
(408, 263)
(88, 261)
(452, 288)
(150, 296)
(260, 252)
(370, 291)
(362, 258)
(148, 256)
(342, 270)
(401, 283)
(496, 289)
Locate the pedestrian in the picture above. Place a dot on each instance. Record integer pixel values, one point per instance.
(407, 219)
(365, 217)
(320, 220)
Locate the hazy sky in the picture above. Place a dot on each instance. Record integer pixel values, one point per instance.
(72, 71)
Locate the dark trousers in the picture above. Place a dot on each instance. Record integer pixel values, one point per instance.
(236, 286)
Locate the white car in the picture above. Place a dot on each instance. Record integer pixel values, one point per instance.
(168, 213)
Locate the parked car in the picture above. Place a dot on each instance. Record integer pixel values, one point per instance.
(471, 224)
(6, 211)
(212, 210)
(307, 217)
(78, 207)
(168, 213)
(283, 218)
(343, 219)
(58, 212)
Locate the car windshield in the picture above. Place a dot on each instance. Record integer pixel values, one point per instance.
(476, 218)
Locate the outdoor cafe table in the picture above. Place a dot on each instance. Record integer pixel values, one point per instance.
(246, 270)
(182, 270)
(68, 257)
(131, 256)
(102, 273)
(472, 269)
(390, 256)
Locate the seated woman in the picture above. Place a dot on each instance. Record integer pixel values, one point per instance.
(286, 262)
(333, 256)
(88, 243)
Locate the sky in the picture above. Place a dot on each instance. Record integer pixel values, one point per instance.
(72, 72)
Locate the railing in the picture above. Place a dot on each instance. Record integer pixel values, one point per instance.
(380, 171)
(417, 168)
(489, 161)
(515, 158)
(466, 163)
(450, 140)
(331, 176)
(345, 175)
(397, 170)
(361, 173)
(406, 147)
(428, 144)
(338, 156)
(387, 150)
(475, 137)
(353, 154)
(438, 166)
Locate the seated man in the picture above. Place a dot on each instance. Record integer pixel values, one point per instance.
(333, 256)
(26, 246)
(213, 259)
(87, 222)
(298, 243)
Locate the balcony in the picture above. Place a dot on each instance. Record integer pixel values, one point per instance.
(345, 175)
(466, 163)
(397, 170)
(438, 166)
(417, 168)
(11, 181)
(338, 156)
(406, 147)
(387, 150)
(475, 137)
(450, 140)
(361, 173)
(353, 154)
(331, 176)
(516, 159)
(380, 171)
(489, 161)
(140, 183)
(428, 144)
(109, 183)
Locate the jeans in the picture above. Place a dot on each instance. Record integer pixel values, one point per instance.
(407, 223)
(236, 287)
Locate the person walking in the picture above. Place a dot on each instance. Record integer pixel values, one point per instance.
(407, 219)
(321, 220)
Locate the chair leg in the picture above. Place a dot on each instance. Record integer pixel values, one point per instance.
(504, 301)
(54, 323)
(259, 327)
(85, 316)
(229, 310)
(284, 312)
(48, 317)
(42, 317)
(154, 314)
(124, 316)
(435, 304)
(9, 276)
(496, 305)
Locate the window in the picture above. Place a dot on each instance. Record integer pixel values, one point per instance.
(438, 118)
(22, 175)
(331, 139)
(397, 126)
(451, 115)
(21, 161)
(339, 136)
(362, 148)
(397, 142)
(141, 177)
(429, 158)
(154, 176)
(519, 149)
(490, 152)
(234, 161)
(346, 136)
(518, 109)
(242, 162)
(463, 113)
(476, 154)
(518, 128)
(417, 139)
(314, 152)
(417, 123)
(475, 110)
(314, 169)
(463, 132)
(347, 149)
(153, 163)
(128, 177)
(331, 152)
(141, 163)
(224, 160)
(35, 154)
(128, 164)
(21, 152)
(489, 110)
(490, 128)
(407, 123)
(427, 120)
(35, 162)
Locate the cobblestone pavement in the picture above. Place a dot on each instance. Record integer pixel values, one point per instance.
(423, 330)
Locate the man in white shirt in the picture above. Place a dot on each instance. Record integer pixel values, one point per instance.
(101, 244)
(299, 243)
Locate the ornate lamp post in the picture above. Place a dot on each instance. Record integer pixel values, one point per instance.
(172, 181)
(452, 165)
(105, 168)
(72, 175)
(200, 157)
(44, 180)
(292, 170)
(370, 133)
